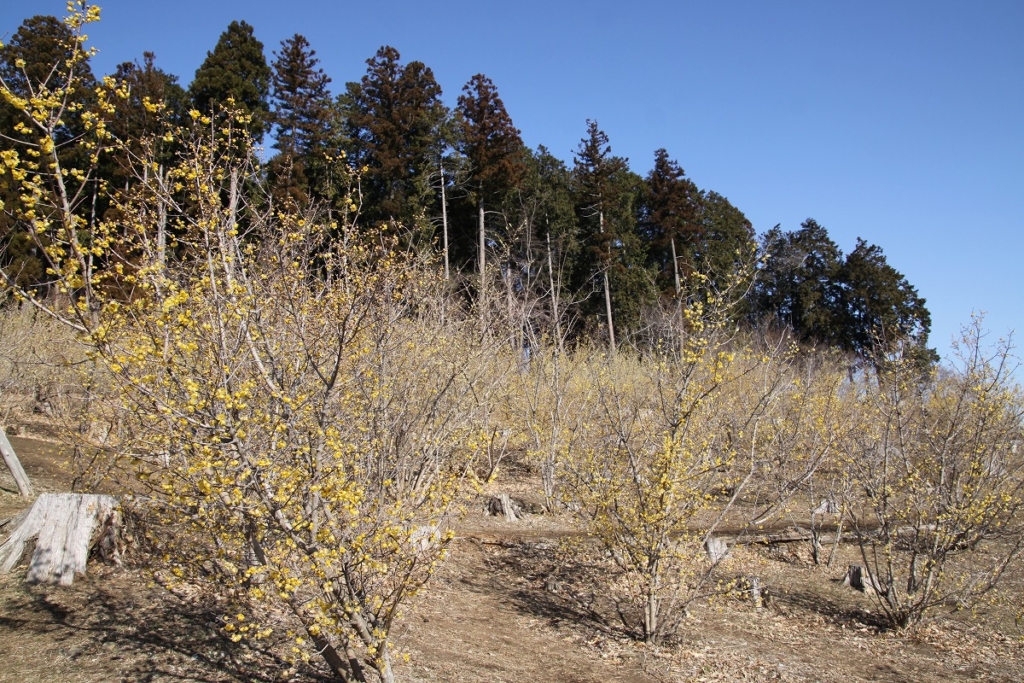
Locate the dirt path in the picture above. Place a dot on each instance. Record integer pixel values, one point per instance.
(493, 615)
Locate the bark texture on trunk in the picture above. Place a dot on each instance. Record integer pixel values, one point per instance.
(66, 527)
(14, 465)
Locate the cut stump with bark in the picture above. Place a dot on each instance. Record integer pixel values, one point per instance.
(503, 505)
(859, 579)
(65, 526)
(14, 465)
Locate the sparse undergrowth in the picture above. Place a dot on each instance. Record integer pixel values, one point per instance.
(300, 410)
(501, 609)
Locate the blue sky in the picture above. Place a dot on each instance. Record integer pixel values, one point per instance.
(899, 122)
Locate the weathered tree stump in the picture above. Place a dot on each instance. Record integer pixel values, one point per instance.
(503, 505)
(859, 579)
(717, 549)
(14, 465)
(66, 527)
(756, 591)
(42, 405)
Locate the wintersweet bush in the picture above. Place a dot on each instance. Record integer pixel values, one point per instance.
(298, 427)
(936, 479)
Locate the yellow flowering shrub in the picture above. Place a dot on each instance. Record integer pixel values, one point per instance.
(296, 426)
(937, 479)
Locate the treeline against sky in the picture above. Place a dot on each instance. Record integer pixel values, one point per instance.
(590, 250)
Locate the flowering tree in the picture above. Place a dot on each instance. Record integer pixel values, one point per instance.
(668, 448)
(297, 441)
(937, 483)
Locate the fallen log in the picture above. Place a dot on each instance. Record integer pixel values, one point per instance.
(66, 527)
(794, 535)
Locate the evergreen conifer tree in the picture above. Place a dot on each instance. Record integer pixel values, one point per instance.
(798, 284)
(393, 117)
(155, 101)
(690, 230)
(301, 115)
(495, 153)
(671, 224)
(236, 69)
(879, 310)
(613, 258)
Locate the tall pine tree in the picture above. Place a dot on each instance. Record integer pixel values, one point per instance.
(613, 258)
(859, 304)
(393, 118)
(879, 311)
(495, 152)
(302, 119)
(798, 285)
(235, 70)
(671, 225)
(690, 230)
(725, 242)
(155, 101)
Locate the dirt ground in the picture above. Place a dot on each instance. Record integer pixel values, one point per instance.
(500, 610)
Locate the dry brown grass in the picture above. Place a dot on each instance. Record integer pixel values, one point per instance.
(492, 615)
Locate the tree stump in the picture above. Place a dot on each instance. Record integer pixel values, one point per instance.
(66, 527)
(861, 580)
(503, 505)
(14, 465)
(717, 549)
(756, 591)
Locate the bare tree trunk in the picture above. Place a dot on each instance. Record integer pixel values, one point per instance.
(675, 268)
(554, 297)
(607, 294)
(482, 266)
(651, 617)
(233, 200)
(14, 465)
(679, 301)
(384, 668)
(444, 223)
(161, 226)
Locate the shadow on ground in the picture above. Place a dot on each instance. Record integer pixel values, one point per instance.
(113, 627)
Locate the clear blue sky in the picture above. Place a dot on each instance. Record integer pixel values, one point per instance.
(899, 122)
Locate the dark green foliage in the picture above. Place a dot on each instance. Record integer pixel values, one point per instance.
(302, 118)
(393, 118)
(608, 197)
(41, 41)
(706, 233)
(495, 155)
(488, 139)
(798, 284)
(726, 241)
(881, 312)
(859, 304)
(137, 125)
(236, 70)
(546, 203)
(671, 216)
(146, 83)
